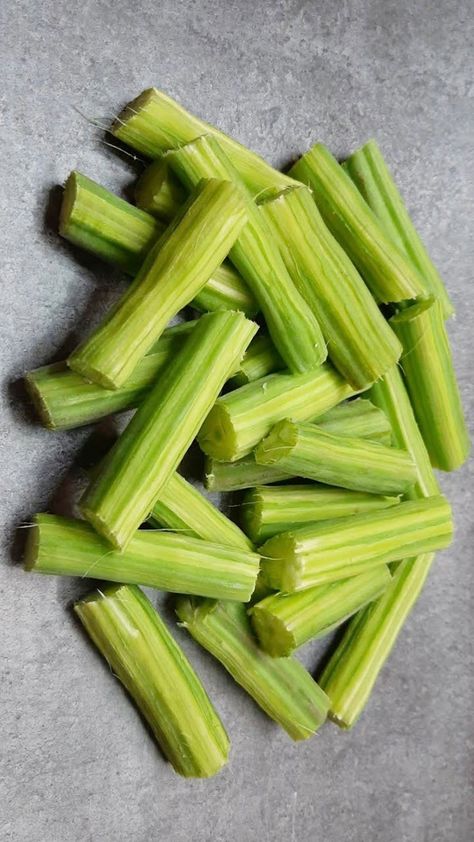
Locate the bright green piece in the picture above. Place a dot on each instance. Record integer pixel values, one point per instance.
(293, 327)
(63, 399)
(336, 549)
(240, 419)
(154, 558)
(153, 123)
(282, 687)
(428, 370)
(269, 510)
(141, 653)
(181, 507)
(353, 669)
(176, 269)
(284, 622)
(360, 343)
(385, 269)
(159, 192)
(306, 450)
(111, 228)
(156, 439)
(369, 172)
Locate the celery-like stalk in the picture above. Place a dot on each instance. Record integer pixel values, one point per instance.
(153, 123)
(64, 400)
(261, 359)
(113, 229)
(176, 269)
(352, 671)
(336, 549)
(291, 324)
(305, 450)
(160, 432)
(240, 419)
(358, 418)
(371, 635)
(153, 558)
(180, 506)
(369, 172)
(267, 510)
(284, 622)
(141, 653)
(360, 343)
(427, 366)
(280, 686)
(390, 395)
(159, 192)
(385, 269)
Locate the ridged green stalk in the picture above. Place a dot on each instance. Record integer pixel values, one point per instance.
(261, 359)
(332, 550)
(360, 343)
(105, 225)
(371, 175)
(269, 510)
(356, 663)
(154, 558)
(293, 327)
(159, 192)
(181, 507)
(156, 439)
(353, 669)
(358, 418)
(176, 268)
(240, 419)
(282, 687)
(284, 622)
(428, 370)
(306, 450)
(385, 269)
(63, 399)
(141, 653)
(153, 123)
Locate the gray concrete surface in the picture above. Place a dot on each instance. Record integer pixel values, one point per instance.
(76, 762)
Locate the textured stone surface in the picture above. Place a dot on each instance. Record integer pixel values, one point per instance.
(76, 762)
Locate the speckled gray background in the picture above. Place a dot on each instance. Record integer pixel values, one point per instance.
(76, 762)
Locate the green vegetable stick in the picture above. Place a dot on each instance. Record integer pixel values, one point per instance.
(427, 366)
(369, 172)
(360, 343)
(153, 558)
(141, 653)
(385, 269)
(100, 222)
(153, 123)
(293, 327)
(176, 269)
(180, 506)
(353, 669)
(159, 192)
(336, 549)
(283, 622)
(282, 687)
(240, 419)
(63, 399)
(358, 418)
(151, 447)
(268, 510)
(305, 450)
(390, 395)
(356, 663)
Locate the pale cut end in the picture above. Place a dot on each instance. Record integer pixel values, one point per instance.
(100, 526)
(273, 636)
(40, 405)
(68, 203)
(31, 548)
(217, 436)
(131, 110)
(277, 444)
